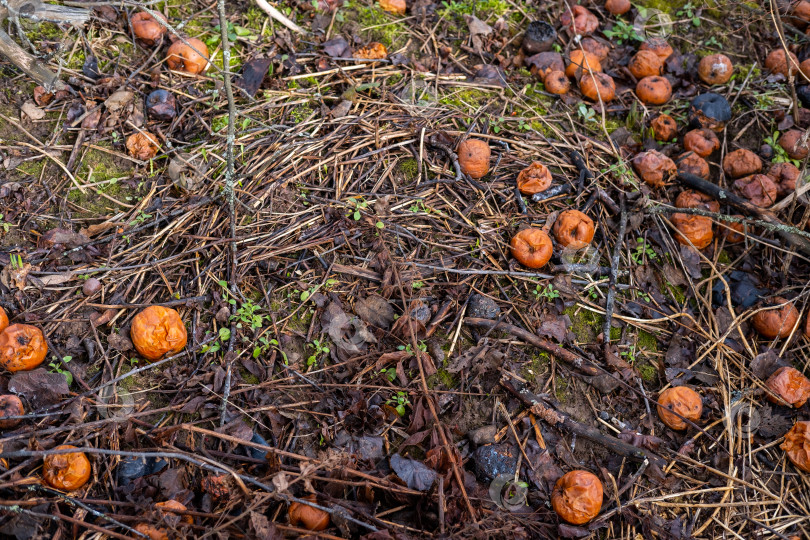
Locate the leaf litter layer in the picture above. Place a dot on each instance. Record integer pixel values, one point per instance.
(358, 328)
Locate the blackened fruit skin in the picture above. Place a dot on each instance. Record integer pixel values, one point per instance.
(709, 110)
(161, 105)
(539, 37)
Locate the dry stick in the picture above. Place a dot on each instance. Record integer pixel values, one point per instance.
(563, 422)
(787, 232)
(277, 15)
(566, 356)
(231, 196)
(614, 274)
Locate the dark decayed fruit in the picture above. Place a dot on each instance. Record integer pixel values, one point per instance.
(539, 37)
(710, 111)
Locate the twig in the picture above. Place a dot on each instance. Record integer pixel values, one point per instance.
(614, 274)
(561, 421)
(230, 195)
(277, 15)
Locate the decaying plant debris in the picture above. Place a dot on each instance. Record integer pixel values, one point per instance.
(408, 269)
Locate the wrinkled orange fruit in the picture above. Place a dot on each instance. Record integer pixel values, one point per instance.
(147, 28)
(535, 178)
(693, 230)
(577, 497)
(473, 157)
(10, 405)
(142, 145)
(573, 228)
(66, 471)
(372, 51)
(152, 532)
(779, 322)
(182, 57)
(307, 517)
(789, 384)
(3, 319)
(396, 7)
(531, 247)
(682, 400)
(22, 347)
(172, 506)
(157, 331)
(797, 445)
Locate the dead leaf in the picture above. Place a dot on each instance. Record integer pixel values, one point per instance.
(375, 310)
(263, 529)
(30, 109)
(763, 365)
(350, 334)
(14, 275)
(479, 30)
(62, 237)
(342, 109)
(54, 279)
(337, 48)
(414, 473)
(650, 442)
(253, 74)
(118, 100)
(280, 482)
(40, 387)
(119, 342)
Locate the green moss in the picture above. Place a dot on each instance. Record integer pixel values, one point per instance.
(378, 25)
(394, 79)
(254, 19)
(300, 321)
(409, 167)
(248, 377)
(32, 168)
(723, 257)
(742, 71)
(647, 341)
(471, 99)
(299, 114)
(615, 333)
(647, 371)
(442, 377)
(37, 32)
(104, 170)
(483, 9)
(612, 124)
(538, 364)
(103, 166)
(561, 390)
(667, 6)
(678, 292)
(585, 324)
(76, 60)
